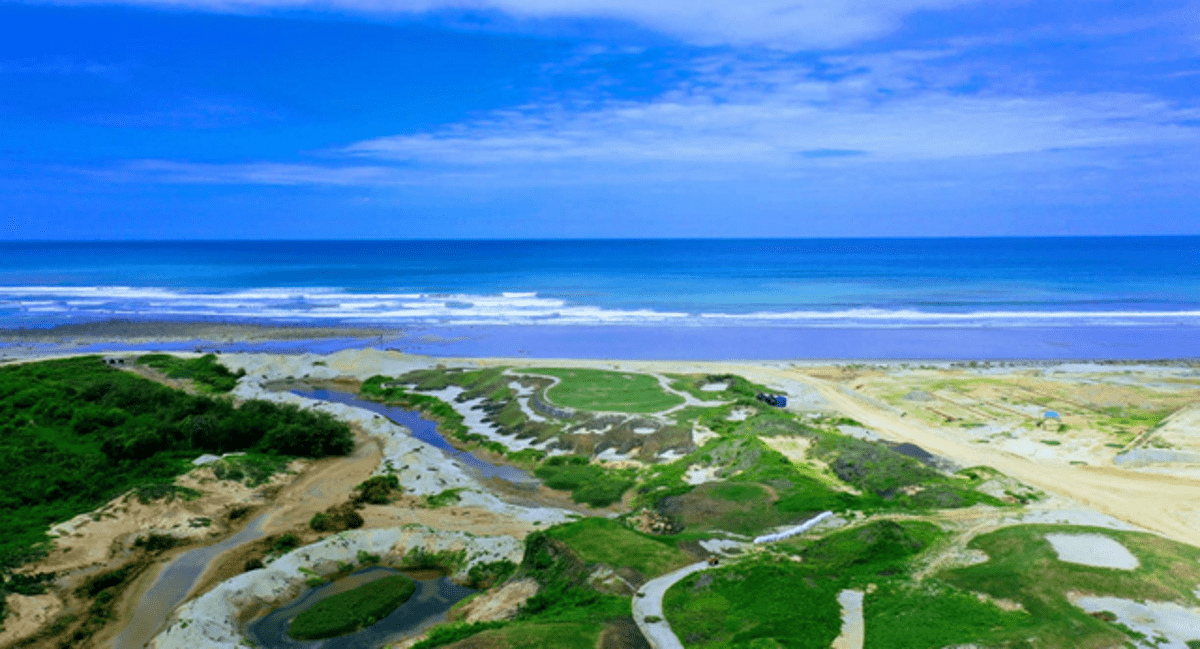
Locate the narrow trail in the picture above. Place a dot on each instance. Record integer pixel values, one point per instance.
(1165, 504)
(659, 634)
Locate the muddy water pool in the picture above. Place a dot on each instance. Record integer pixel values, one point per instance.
(434, 596)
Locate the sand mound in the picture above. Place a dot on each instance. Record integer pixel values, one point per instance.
(1092, 550)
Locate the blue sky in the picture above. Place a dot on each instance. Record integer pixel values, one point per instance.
(598, 118)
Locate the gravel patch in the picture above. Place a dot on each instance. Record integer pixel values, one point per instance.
(1092, 550)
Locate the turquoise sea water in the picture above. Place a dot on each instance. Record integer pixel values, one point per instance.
(1120, 290)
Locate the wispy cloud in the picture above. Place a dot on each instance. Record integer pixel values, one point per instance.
(787, 24)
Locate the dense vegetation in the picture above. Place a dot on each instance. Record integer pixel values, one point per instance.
(352, 610)
(587, 482)
(205, 372)
(74, 433)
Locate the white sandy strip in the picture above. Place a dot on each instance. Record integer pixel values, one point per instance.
(1155, 619)
(700, 474)
(688, 399)
(473, 419)
(852, 620)
(211, 621)
(1092, 550)
(523, 394)
(659, 634)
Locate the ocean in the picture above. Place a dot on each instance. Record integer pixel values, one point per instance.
(978, 298)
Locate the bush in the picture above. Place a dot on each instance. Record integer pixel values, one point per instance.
(285, 544)
(321, 522)
(486, 575)
(156, 542)
(253, 564)
(378, 490)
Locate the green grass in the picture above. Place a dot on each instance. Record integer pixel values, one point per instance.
(588, 483)
(521, 635)
(899, 615)
(443, 499)
(1023, 567)
(252, 469)
(603, 540)
(768, 597)
(599, 390)
(352, 610)
(205, 372)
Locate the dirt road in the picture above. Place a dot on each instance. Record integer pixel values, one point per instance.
(1165, 504)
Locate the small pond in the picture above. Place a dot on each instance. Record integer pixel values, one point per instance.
(424, 430)
(434, 596)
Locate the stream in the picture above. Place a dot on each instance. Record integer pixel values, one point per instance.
(173, 584)
(434, 596)
(432, 599)
(426, 431)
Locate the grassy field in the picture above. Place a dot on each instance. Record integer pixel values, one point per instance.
(352, 610)
(603, 540)
(1024, 568)
(771, 598)
(205, 372)
(598, 390)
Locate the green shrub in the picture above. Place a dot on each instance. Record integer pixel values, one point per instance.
(486, 575)
(285, 544)
(352, 610)
(451, 633)
(378, 490)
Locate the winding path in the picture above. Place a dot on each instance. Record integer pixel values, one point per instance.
(659, 634)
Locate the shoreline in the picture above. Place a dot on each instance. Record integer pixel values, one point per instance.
(720, 344)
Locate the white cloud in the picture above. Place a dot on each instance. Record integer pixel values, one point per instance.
(786, 24)
(778, 134)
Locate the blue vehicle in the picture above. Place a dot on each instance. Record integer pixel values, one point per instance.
(777, 400)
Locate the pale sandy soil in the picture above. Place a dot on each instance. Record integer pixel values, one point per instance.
(1156, 620)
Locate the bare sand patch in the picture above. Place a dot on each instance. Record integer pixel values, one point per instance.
(1092, 550)
(1177, 624)
(26, 615)
(700, 474)
(852, 620)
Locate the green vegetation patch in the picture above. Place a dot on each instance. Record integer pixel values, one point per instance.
(74, 433)
(521, 635)
(1024, 567)
(899, 615)
(352, 610)
(769, 597)
(251, 469)
(443, 498)
(736, 386)
(755, 600)
(587, 389)
(205, 372)
(449, 422)
(588, 483)
(602, 540)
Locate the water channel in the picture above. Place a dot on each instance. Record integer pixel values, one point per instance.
(424, 430)
(173, 584)
(176, 580)
(434, 596)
